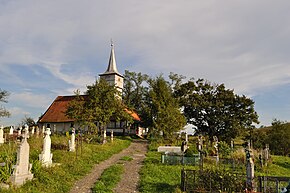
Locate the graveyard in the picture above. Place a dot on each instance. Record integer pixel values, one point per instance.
(226, 175)
(53, 156)
(40, 162)
(33, 160)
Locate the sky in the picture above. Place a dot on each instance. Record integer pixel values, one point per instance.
(51, 48)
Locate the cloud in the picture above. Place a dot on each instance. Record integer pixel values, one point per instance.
(29, 99)
(61, 48)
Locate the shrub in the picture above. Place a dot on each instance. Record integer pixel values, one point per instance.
(224, 149)
(8, 157)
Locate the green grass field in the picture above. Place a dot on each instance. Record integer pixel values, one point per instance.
(73, 165)
(161, 178)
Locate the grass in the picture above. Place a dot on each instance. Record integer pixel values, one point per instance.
(126, 158)
(109, 179)
(280, 166)
(160, 178)
(74, 165)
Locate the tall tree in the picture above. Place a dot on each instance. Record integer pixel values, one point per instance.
(216, 110)
(134, 90)
(100, 104)
(163, 113)
(279, 138)
(3, 98)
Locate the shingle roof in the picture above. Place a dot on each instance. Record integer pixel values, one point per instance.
(56, 111)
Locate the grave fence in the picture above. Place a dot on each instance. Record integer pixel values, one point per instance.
(194, 181)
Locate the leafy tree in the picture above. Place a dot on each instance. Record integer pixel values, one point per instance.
(279, 138)
(3, 98)
(28, 120)
(134, 90)
(100, 105)
(163, 113)
(215, 110)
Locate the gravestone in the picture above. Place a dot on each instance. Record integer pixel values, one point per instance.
(169, 149)
(46, 156)
(71, 142)
(112, 136)
(105, 136)
(26, 130)
(19, 131)
(266, 154)
(215, 145)
(183, 146)
(43, 130)
(186, 137)
(32, 130)
(11, 130)
(250, 169)
(37, 131)
(22, 170)
(1, 134)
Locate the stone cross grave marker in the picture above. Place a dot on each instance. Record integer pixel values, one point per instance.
(215, 145)
(19, 131)
(37, 131)
(112, 136)
(11, 130)
(22, 170)
(26, 130)
(43, 130)
(71, 142)
(1, 134)
(105, 136)
(32, 130)
(250, 172)
(46, 156)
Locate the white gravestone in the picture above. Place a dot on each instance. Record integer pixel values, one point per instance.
(46, 156)
(105, 136)
(215, 145)
(169, 149)
(11, 130)
(19, 131)
(37, 131)
(32, 130)
(250, 169)
(43, 130)
(22, 170)
(1, 134)
(26, 130)
(112, 136)
(71, 142)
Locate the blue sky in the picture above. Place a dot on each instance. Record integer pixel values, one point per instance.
(51, 48)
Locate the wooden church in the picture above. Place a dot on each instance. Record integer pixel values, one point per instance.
(56, 119)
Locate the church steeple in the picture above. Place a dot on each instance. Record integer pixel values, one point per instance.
(112, 75)
(112, 66)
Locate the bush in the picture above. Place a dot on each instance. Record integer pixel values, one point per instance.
(190, 152)
(8, 157)
(224, 149)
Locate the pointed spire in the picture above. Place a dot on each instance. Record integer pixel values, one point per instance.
(112, 67)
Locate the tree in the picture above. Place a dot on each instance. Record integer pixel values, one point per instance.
(215, 110)
(134, 90)
(28, 121)
(279, 138)
(162, 110)
(3, 98)
(100, 104)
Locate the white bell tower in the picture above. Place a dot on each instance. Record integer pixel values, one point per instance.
(112, 75)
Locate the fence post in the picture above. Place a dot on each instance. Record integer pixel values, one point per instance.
(183, 188)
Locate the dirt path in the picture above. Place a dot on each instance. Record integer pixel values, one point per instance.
(130, 178)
